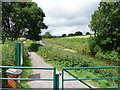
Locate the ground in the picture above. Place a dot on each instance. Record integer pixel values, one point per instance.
(37, 61)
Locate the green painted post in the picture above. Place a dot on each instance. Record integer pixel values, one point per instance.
(17, 54)
(57, 81)
(62, 79)
(54, 80)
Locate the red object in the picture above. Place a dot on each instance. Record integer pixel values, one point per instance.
(12, 83)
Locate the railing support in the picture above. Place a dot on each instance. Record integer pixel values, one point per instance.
(17, 54)
(19, 51)
(56, 81)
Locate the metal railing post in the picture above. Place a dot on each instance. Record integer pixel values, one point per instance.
(17, 54)
(56, 81)
(62, 79)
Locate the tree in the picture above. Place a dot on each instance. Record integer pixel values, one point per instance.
(105, 23)
(64, 35)
(78, 33)
(47, 35)
(3, 37)
(70, 34)
(18, 16)
(87, 33)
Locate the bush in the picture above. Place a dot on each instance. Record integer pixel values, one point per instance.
(8, 54)
(61, 58)
(101, 53)
(8, 59)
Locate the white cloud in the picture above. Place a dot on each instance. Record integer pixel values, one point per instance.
(67, 16)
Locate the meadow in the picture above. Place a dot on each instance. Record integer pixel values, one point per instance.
(83, 45)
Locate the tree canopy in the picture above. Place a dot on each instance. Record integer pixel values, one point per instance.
(87, 33)
(47, 35)
(64, 35)
(22, 18)
(78, 33)
(105, 23)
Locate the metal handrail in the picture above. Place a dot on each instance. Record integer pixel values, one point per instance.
(76, 78)
(42, 68)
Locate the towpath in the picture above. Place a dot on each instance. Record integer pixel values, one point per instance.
(37, 61)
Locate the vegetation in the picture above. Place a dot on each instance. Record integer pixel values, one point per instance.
(81, 45)
(104, 23)
(78, 33)
(8, 59)
(47, 35)
(87, 33)
(70, 34)
(61, 58)
(22, 19)
(64, 35)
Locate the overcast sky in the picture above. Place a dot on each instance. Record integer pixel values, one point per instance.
(67, 16)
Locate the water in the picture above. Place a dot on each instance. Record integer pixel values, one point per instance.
(41, 43)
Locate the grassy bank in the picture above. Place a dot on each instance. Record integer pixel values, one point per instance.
(61, 58)
(82, 46)
(8, 59)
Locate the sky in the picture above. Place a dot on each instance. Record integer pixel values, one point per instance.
(67, 16)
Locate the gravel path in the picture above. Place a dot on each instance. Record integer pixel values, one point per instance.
(37, 61)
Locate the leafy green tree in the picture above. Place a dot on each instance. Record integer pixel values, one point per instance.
(47, 35)
(105, 23)
(18, 16)
(70, 34)
(87, 33)
(78, 33)
(64, 35)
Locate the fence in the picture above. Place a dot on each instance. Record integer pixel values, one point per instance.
(55, 76)
(19, 54)
(19, 51)
(81, 80)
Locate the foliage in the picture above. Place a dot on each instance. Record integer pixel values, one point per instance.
(8, 54)
(47, 35)
(78, 33)
(70, 34)
(64, 35)
(77, 44)
(100, 53)
(61, 58)
(22, 18)
(8, 59)
(86, 46)
(3, 36)
(105, 25)
(87, 33)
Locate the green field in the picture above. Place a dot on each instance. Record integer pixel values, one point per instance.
(80, 45)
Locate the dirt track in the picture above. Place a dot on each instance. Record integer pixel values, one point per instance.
(37, 61)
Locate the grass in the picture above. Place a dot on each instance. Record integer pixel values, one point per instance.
(79, 45)
(60, 58)
(8, 59)
(82, 46)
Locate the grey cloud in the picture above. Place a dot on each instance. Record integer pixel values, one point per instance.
(67, 16)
